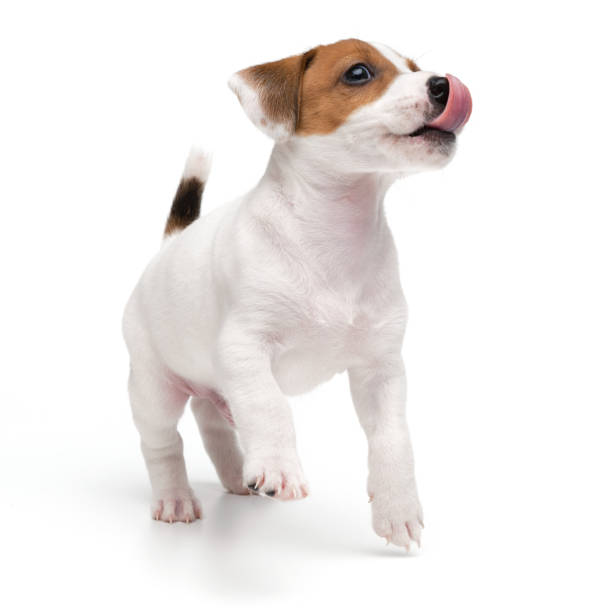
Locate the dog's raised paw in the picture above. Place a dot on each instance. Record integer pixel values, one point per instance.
(178, 506)
(275, 476)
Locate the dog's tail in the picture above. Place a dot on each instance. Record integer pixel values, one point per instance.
(186, 204)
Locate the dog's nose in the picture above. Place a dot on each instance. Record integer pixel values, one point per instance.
(438, 89)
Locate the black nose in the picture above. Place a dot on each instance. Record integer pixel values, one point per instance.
(437, 88)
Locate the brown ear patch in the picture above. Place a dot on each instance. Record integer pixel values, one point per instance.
(326, 101)
(278, 86)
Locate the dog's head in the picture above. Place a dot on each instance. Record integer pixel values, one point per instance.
(357, 103)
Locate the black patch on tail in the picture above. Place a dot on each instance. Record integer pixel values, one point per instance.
(186, 205)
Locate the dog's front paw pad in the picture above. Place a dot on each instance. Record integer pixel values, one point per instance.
(275, 477)
(399, 524)
(176, 507)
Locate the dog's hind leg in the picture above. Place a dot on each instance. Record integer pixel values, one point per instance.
(220, 441)
(157, 406)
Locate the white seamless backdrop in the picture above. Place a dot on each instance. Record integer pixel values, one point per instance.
(505, 259)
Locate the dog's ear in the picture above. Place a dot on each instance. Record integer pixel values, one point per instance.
(270, 94)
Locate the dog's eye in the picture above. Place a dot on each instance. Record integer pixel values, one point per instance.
(357, 75)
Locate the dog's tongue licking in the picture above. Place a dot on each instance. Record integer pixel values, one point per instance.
(458, 107)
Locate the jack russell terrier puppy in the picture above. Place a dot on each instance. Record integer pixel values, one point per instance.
(293, 283)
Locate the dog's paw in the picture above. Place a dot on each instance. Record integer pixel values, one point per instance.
(276, 476)
(398, 519)
(176, 506)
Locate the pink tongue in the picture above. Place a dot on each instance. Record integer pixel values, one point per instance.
(458, 108)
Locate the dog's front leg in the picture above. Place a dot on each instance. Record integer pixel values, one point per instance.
(379, 394)
(262, 416)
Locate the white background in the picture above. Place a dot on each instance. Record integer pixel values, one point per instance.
(505, 260)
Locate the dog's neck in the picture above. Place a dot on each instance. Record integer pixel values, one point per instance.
(338, 215)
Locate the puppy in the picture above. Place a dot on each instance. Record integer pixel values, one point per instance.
(291, 284)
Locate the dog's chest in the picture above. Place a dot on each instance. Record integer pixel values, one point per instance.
(326, 338)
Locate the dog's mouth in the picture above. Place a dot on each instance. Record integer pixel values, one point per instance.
(454, 115)
(430, 133)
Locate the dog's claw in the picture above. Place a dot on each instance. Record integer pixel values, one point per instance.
(278, 473)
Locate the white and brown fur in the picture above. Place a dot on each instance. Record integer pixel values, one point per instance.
(291, 284)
